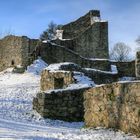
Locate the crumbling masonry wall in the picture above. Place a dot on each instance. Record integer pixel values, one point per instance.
(115, 105)
(87, 36)
(55, 79)
(90, 43)
(55, 102)
(93, 43)
(15, 50)
(101, 77)
(64, 105)
(125, 68)
(11, 52)
(52, 53)
(73, 29)
(137, 65)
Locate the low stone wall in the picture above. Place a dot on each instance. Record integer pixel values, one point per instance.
(125, 68)
(101, 77)
(64, 105)
(115, 105)
(55, 79)
(101, 64)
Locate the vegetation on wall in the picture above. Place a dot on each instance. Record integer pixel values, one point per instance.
(50, 32)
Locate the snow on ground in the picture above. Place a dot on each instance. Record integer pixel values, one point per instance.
(19, 121)
(37, 66)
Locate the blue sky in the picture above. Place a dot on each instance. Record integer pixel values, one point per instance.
(31, 17)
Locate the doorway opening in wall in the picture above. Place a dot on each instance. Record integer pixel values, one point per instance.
(12, 62)
(58, 83)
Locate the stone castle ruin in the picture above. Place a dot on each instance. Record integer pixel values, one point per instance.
(15, 51)
(80, 42)
(87, 36)
(81, 53)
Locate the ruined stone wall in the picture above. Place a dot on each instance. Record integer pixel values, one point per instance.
(101, 64)
(11, 52)
(87, 36)
(15, 50)
(137, 65)
(28, 46)
(125, 68)
(64, 105)
(70, 43)
(77, 27)
(1, 49)
(56, 54)
(101, 77)
(55, 79)
(92, 43)
(32, 44)
(114, 106)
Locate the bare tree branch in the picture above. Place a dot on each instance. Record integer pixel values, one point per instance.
(50, 32)
(120, 52)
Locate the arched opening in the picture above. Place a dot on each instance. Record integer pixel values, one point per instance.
(12, 62)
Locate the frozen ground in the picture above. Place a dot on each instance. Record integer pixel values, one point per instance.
(19, 121)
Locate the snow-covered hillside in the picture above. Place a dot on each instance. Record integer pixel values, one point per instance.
(19, 121)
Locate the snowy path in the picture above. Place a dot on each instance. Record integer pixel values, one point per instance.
(19, 121)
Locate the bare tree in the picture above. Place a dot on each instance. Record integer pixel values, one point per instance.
(50, 32)
(120, 52)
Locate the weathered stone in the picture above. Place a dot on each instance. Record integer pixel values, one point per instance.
(125, 68)
(118, 110)
(88, 36)
(15, 51)
(87, 39)
(61, 107)
(55, 80)
(19, 69)
(137, 64)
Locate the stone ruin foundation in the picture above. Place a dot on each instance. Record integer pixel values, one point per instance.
(64, 105)
(114, 106)
(55, 79)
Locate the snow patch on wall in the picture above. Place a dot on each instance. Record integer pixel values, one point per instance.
(114, 69)
(81, 81)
